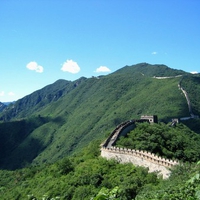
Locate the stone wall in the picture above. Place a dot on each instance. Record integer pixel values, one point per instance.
(140, 158)
(121, 129)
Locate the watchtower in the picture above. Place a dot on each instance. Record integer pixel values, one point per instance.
(152, 118)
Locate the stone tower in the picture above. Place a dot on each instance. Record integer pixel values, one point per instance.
(152, 118)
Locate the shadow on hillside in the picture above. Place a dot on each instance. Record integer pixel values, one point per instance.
(21, 143)
(22, 156)
(58, 120)
(193, 124)
(17, 146)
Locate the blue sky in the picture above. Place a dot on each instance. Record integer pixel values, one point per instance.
(42, 41)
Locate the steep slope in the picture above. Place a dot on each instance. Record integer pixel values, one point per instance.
(12, 134)
(91, 110)
(2, 106)
(38, 99)
(191, 83)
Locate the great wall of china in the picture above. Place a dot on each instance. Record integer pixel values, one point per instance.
(136, 157)
(192, 116)
(142, 158)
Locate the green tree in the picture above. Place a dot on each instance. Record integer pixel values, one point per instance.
(65, 166)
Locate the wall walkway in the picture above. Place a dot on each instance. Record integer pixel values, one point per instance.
(140, 158)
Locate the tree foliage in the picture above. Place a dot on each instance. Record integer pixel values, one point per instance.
(177, 142)
(179, 186)
(87, 176)
(79, 177)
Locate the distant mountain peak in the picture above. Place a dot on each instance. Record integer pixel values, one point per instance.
(151, 70)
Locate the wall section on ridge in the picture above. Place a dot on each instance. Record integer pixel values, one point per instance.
(136, 157)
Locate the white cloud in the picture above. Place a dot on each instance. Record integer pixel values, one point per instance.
(70, 66)
(102, 69)
(154, 53)
(35, 67)
(11, 93)
(2, 93)
(195, 72)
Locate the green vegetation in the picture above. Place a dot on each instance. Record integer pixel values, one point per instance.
(18, 147)
(81, 111)
(87, 176)
(151, 70)
(38, 99)
(191, 83)
(183, 184)
(177, 142)
(80, 177)
(38, 131)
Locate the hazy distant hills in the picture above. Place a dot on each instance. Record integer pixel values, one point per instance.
(65, 116)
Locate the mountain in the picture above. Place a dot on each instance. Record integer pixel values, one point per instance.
(38, 99)
(66, 116)
(7, 103)
(151, 70)
(2, 106)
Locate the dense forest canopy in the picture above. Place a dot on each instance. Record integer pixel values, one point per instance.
(173, 142)
(88, 176)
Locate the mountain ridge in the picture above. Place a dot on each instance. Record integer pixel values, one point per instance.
(90, 109)
(39, 98)
(2, 106)
(156, 69)
(52, 94)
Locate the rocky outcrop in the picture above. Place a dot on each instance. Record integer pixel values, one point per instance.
(2, 106)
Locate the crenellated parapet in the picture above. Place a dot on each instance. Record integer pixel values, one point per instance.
(143, 154)
(137, 157)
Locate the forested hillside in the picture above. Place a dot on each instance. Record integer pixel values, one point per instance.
(191, 83)
(38, 99)
(87, 176)
(176, 142)
(50, 139)
(64, 117)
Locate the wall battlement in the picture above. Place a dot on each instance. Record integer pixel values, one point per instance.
(137, 157)
(143, 154)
